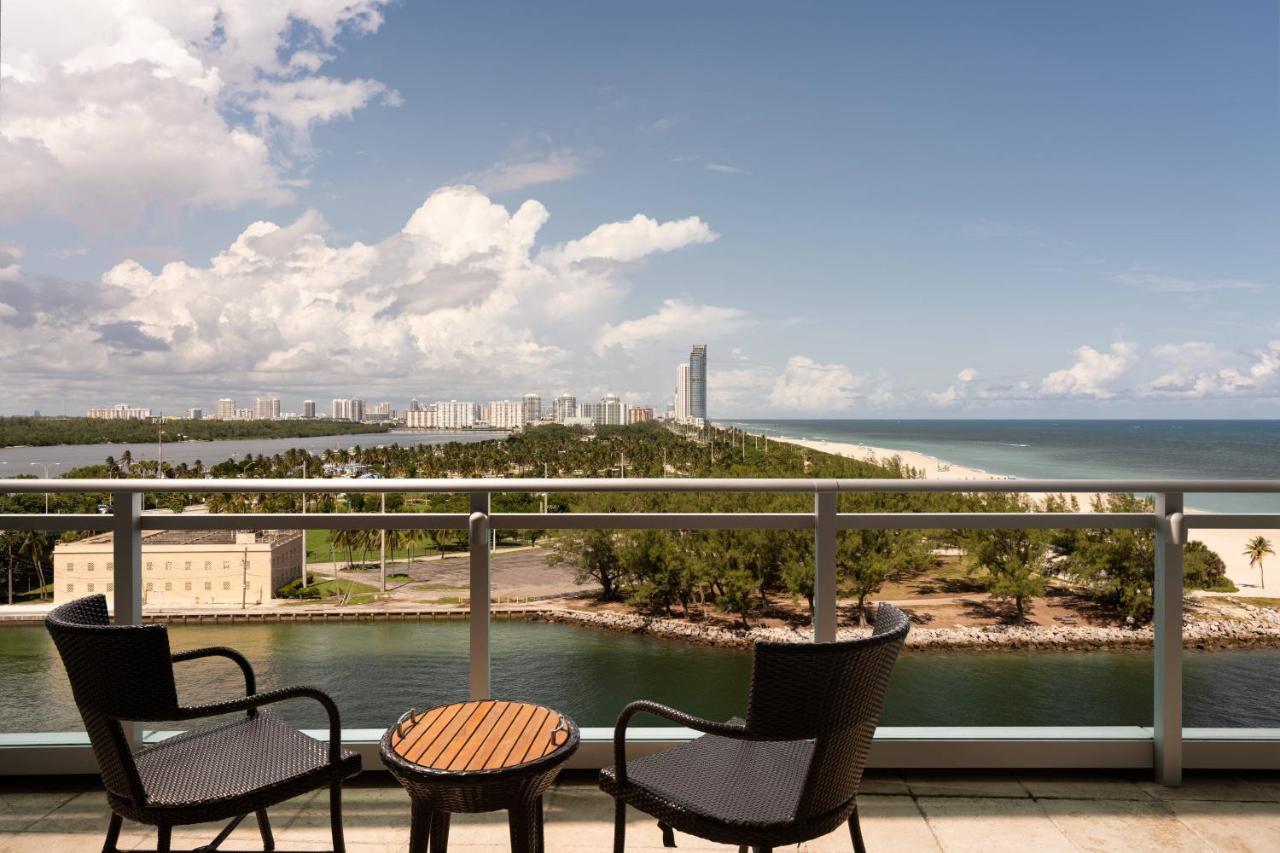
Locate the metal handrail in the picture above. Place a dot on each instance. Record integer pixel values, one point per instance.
(1168, 518)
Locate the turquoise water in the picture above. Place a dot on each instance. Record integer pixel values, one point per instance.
(1111, 449)
(377, 670)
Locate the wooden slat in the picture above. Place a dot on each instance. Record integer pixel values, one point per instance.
(444, 761)
(428, 727)
(541, 739)
(426, 750)
(480, 758)
(536, 724)
(499, 757)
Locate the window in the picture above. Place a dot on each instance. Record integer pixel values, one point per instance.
(110, 566)
(208, 585)
(111, 587)
(91, 589)
(226, 585)
(149, 566)
(71, 587)
(168, 565)
(226, 564)
(89, 566)
(187, 565)
(168, 587)
(71, 567)
(208, 566)
(187, 586)
(150, 586)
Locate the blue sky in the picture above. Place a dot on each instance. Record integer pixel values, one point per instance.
(867, 210)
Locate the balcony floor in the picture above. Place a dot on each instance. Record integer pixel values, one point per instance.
(915, 812)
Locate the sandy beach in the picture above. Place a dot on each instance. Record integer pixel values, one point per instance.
(1228, 544)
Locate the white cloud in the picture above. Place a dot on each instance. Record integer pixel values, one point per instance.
(1199, 371)
(957, 391)
(807, 385)
(1173, 284)
(112, 106)
(528, 170)
(724, 169)
(1093, 372)
(631, 240)
(676, 318)
(459, 300)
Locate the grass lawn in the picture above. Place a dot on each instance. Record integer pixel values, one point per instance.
(360, 593)
(318, 549)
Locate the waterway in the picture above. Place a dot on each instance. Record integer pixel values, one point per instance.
(18, 460)
(376, 670)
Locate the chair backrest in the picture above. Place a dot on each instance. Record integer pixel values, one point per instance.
(117, 672)
(832, 694)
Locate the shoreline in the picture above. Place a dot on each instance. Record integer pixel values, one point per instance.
(1227, 544)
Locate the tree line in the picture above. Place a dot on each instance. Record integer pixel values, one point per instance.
(43, 431)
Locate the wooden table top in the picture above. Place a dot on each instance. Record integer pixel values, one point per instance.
(479, 735)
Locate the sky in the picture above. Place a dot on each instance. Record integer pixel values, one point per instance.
(917, 209)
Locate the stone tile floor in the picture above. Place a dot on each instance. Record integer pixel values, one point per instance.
(908, 812)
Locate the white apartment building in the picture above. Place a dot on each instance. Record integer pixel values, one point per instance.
(566, 407)
(682, 392)
(531, 409)
(423, 417)
(504, 414)
(347, 410)
(266, 408)
(611, 411)
(195, 414)
(456, 414)
(308, 408)
(120, 412)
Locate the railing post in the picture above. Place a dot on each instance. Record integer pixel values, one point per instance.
(824, 565)
(126, 573)
(1167, 712)
(478, 544)
(126, 546)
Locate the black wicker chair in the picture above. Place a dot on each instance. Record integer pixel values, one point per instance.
(124, 673)
(789, 772)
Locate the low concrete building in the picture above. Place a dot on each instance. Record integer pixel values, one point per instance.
(186, 568)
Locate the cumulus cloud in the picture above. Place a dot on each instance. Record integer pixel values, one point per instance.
(808, 385)
(1199, 370)
(112, 106)
(620, 242)
(957, 391)
(676, 318)
(1093, 373)
(459, 300)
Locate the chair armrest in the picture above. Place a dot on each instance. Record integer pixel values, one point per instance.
(731, 730)
(250, 683)
(256, 700)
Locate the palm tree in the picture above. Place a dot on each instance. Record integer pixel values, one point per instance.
(36, 547)
(1257, 548)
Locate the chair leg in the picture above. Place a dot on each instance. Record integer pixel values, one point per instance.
(619, 826)
(335, 817)
(113, 834)
(538, 827)
(264, 826)
(668, 836)
(440, 832)
(520, 818)
(420, 827)
(855, 830)
(162, 838)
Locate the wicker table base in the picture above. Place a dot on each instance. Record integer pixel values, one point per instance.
(478, 756)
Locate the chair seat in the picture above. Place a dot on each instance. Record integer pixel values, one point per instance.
(741, 784)
(248, 758)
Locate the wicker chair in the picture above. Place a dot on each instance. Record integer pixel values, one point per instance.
(790, 771)
(219, 772)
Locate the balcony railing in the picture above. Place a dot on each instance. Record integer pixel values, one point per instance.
(1166, 746)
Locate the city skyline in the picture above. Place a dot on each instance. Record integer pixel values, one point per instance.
(1024, 211)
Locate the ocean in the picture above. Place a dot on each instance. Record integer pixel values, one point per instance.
(1109, 449)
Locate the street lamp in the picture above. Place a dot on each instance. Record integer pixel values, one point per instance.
(46, 466)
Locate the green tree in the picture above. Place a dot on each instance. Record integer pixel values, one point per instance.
(1204, 569)
(594, 556)
(1016, 563)
(1257, 548)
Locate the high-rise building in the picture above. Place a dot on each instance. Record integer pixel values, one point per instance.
(226, 409)
(589, 412)
(504, 414)
(266, 408)
(423, 417)
(195, 414)
(611, 411)
(566, 407)
(413, 404)
(682, 392)
(531, 409)
(698, 383)
(340, 410)
(308, 408)
(639, 414)
(120, 412)
(357, 410)
(456, 414)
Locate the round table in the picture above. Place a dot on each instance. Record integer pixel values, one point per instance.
(478, 756)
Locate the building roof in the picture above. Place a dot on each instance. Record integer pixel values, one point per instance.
(197, 537)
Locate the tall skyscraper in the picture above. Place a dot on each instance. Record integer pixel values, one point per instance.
(266, 408)
(308, 408)
(226, 409)
(357, 410)
(682, 392)
(340, 410)
(698, 383)
(566, 408)
(611, 410)
(531, 408)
